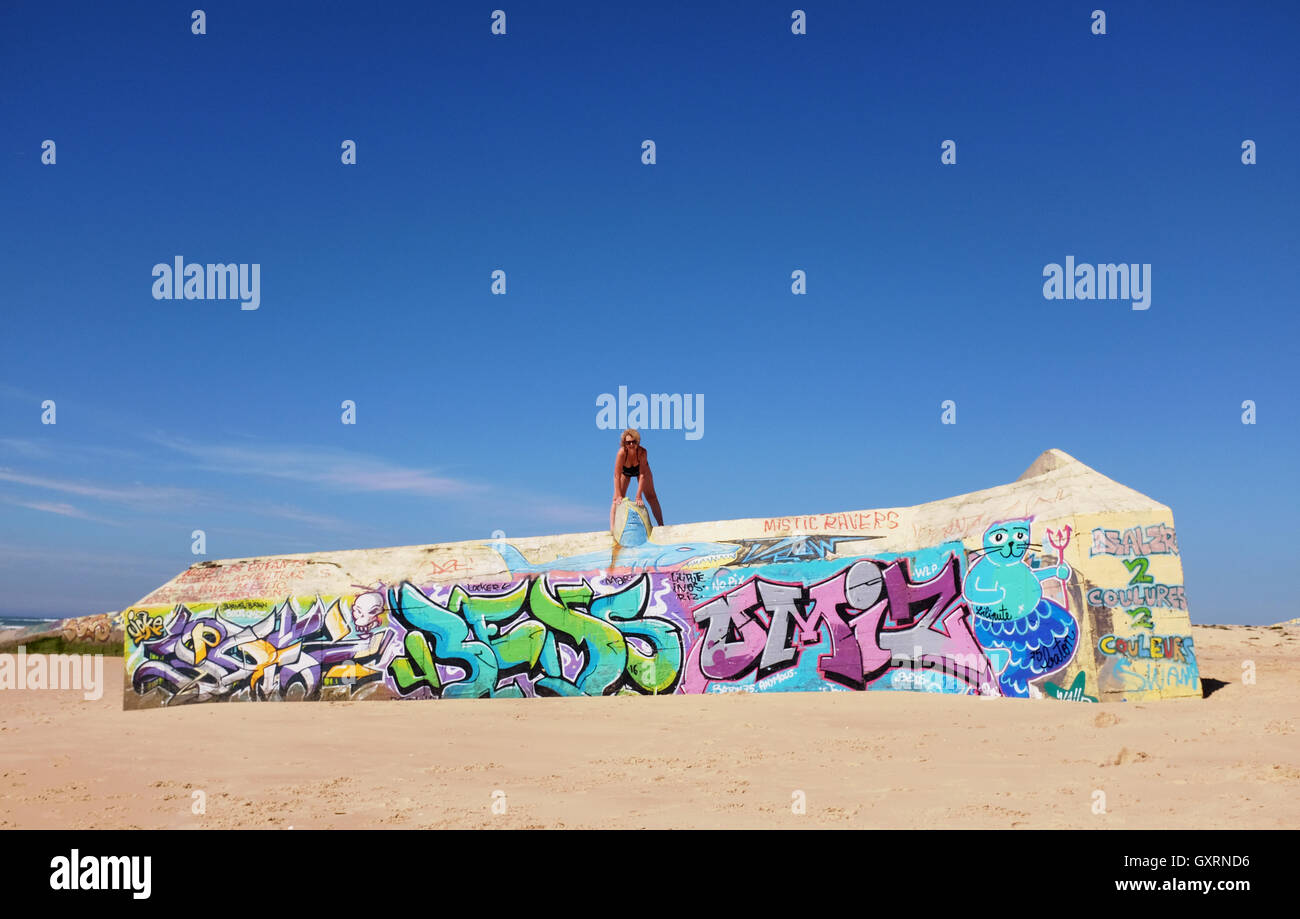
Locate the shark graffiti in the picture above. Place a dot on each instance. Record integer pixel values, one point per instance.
(649, 556)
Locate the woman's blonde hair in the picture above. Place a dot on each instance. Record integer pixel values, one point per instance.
(636, 435)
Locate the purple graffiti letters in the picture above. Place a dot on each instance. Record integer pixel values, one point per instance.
(876, 618)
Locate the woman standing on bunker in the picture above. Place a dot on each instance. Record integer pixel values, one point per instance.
(632, 462)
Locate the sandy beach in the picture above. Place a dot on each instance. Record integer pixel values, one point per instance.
(886, 759)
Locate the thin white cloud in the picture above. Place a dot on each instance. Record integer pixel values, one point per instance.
(120, 494)
(61, 508)
(287, 512)
(33, 449)
(143, 497)
(339, 469)
(330, 469)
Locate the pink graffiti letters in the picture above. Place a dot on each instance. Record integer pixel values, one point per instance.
(875, 617)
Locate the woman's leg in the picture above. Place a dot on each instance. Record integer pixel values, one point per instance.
(654, 502)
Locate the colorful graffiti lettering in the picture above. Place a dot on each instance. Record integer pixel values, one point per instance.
(142, 627)
(1147, 663)
(1141, 618)
(1169, 596)
(1137, 567)
(541, 637)
(771, 614)
(615, 642)
(1156, 647)
(91, 628)
(1157, 539)
(285, 655)
(874, 617)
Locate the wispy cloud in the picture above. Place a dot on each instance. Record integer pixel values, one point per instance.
(34, 449)
(287, 512)
(119, 494)
(331, 468)
(152, 498)
(61, 508)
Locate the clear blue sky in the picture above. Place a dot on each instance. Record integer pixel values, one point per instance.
(522, 152)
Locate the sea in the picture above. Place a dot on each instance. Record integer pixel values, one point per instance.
(20, 622)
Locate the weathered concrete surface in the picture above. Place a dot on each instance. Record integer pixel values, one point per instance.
(922, 597)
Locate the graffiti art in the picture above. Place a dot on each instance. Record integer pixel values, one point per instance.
(755, 616)
(782, 613)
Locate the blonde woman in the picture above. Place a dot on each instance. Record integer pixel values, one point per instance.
(633, 463)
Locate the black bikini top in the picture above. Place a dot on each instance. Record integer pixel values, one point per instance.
(633, 471)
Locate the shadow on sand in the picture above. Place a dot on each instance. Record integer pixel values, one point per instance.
(1209, 686)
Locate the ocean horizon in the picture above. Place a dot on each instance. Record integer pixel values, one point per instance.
(22, 622)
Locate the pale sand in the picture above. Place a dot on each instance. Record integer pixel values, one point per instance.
(888, 759)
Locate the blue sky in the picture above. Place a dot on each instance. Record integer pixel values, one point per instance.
(775, 152)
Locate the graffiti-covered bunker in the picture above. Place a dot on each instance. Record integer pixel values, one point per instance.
(1063, 585)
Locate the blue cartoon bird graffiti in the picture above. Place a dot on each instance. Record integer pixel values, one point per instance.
(1025, 635)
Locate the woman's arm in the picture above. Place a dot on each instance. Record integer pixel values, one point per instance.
(644, 477)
